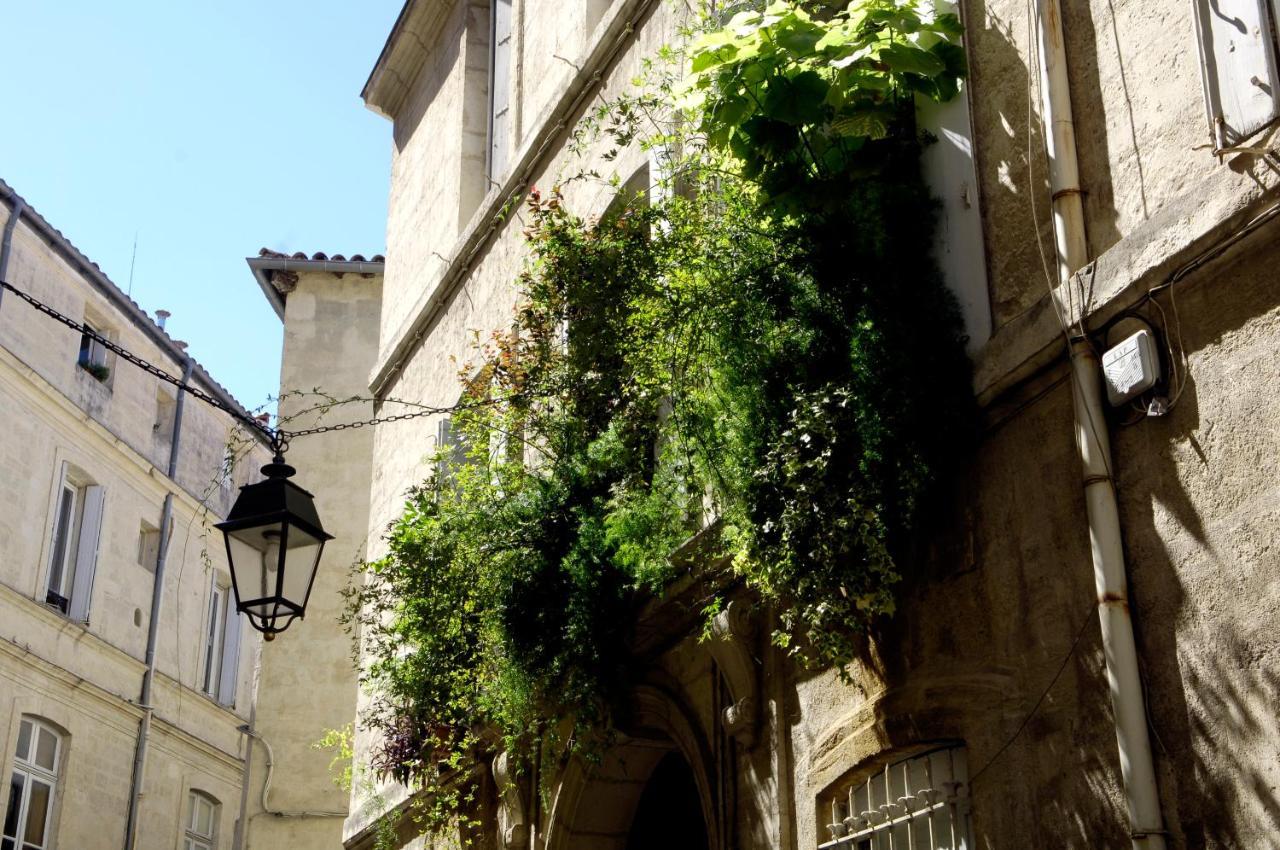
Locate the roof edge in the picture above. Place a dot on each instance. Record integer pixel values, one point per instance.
(263, 265)
(403, 55)
(98, 278)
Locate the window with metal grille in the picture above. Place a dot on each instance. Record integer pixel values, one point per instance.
(918, 803)
(29, 814)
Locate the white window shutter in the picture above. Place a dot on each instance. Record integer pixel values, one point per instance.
(1238, 62)
(87, 553)
(230, 653)
(499, 88)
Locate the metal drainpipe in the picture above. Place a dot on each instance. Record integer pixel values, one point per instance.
(153, 627)
(1146, 823)
(6, 246)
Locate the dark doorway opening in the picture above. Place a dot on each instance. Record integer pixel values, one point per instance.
(669, 816)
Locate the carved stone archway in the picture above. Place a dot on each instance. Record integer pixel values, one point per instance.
(595, 804)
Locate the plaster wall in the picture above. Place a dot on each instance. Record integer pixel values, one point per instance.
(1144, 144)
(86, 677)
(307, 682)
(999, 611)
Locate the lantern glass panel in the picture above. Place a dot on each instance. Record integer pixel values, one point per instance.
(255, 554)
(301, 554)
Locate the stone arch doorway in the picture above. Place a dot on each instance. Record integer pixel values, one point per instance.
(651, 791)
(669, 814)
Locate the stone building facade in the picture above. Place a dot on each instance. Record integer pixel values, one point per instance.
(982, 714)
(94, 449)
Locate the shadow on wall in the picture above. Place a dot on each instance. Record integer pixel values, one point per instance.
(1199, 506)
(1104, 153)
(1010, 155)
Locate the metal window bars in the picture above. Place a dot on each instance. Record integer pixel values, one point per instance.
(917, 803)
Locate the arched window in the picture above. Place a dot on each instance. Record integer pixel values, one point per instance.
(919, 802)
(28, 815)
(202, 822)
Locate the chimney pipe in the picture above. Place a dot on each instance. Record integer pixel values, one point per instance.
(162, 316)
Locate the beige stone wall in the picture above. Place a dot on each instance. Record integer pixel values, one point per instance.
(307, 682)
(86, 678)
(1001, 599)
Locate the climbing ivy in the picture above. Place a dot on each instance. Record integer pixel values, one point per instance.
(759, 352)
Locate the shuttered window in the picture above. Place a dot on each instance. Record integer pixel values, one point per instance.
(221, 644)
(1237, 41)
(73, 546)
(499, 89)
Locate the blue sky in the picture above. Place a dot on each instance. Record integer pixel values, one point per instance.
(209, 130)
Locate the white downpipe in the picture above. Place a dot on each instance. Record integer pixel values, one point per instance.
(1146, 823)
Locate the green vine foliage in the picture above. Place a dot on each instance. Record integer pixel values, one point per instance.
(760, 351)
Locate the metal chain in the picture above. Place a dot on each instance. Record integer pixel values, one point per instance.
(130, 357)
(278, 437)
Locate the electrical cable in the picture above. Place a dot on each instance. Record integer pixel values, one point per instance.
(1032, 713)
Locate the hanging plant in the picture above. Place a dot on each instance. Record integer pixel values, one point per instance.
(764, 349)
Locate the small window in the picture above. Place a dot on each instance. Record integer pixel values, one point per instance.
(93, 354)
(166, 411)
(202, 822)
(214, 639)
(28, 816)
(918, 802)
(73, 545)
(148, 545)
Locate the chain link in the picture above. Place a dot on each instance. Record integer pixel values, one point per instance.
(278, 437)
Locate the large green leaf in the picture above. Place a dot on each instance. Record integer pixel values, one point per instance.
(909, 59)
(871, 123)
(796, 100)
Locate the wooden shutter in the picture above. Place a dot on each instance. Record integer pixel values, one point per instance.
(87, 553)
(1238, 61)
(499, 88)
(230, 652)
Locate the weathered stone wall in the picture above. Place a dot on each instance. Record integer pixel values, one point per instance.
(998, 614)
(308, 683)
(86, 678)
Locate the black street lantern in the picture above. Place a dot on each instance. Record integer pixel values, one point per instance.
(274, 541)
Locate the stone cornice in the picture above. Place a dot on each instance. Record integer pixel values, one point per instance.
(405, 52)
(1173, 241)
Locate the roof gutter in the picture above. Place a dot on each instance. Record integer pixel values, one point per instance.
(261, 265)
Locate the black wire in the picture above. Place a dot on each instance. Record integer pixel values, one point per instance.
(1023, 725)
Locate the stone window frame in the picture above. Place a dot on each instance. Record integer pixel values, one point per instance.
(221, 635)
(76, 545)
(90, 352)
